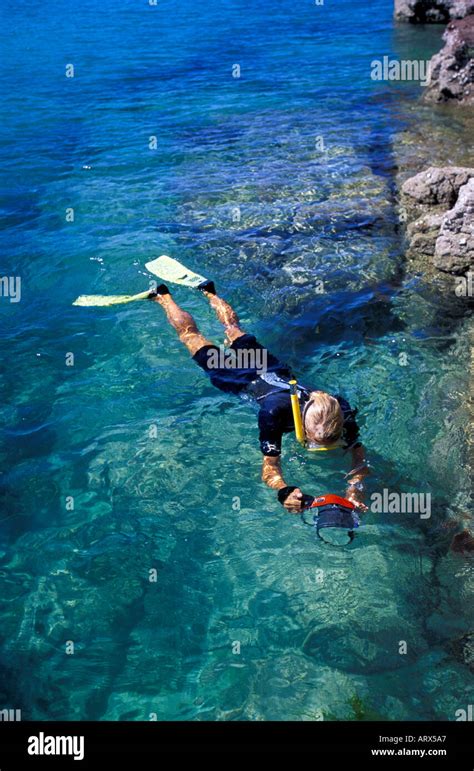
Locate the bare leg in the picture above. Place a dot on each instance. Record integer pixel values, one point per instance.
(226, 315)
(184, 324)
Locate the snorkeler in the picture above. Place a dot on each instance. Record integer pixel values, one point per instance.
(321, 421)
(327, 421)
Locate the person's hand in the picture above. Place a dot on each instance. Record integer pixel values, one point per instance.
(295, 501)
(355, 497)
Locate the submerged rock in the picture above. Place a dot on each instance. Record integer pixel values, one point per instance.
(423, 233)
(452, 69)
(434, 11)
(463, 543)
(438, 207)
(463, 649)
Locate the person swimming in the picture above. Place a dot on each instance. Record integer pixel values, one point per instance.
(328, 420)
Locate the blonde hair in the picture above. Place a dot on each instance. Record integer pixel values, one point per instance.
(323, 417)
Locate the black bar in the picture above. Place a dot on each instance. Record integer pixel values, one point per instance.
(343, 741)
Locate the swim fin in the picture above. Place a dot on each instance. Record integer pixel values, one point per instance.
(165, 268)
(171, 270)
(92, 300)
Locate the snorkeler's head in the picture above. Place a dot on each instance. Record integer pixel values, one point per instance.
(322, 420)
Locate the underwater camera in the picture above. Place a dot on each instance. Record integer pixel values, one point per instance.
(334, 518)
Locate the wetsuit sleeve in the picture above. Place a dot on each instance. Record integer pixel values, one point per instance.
(270, 432)
(350, 430)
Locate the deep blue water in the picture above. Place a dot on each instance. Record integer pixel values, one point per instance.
(268, 182)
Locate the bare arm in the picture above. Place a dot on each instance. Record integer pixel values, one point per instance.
(271, 473)
(272, 476)
(356, 476)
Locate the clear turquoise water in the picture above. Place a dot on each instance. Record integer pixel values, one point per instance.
(312, 644)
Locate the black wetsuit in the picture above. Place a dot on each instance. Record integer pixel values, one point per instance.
(271, 391)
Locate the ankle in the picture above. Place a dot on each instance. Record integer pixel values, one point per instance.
(162, 299)
(159, 293)
(207, 288)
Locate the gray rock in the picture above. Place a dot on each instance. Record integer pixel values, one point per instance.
(437, 185)
(427, 224)
(454, 250)
(452, 69)
(438, 208)
(432, 11)
(423, 232)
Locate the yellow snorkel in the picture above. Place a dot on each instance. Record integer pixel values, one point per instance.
(295, 406)
(297, 420)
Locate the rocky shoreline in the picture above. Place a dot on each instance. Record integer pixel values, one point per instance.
(437, 202)
(435, 185)
(434, 182)
(452, 69)
(432, 11)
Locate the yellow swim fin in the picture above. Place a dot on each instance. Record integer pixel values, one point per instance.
(92, 300)
(170, 270)
(164, 267)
